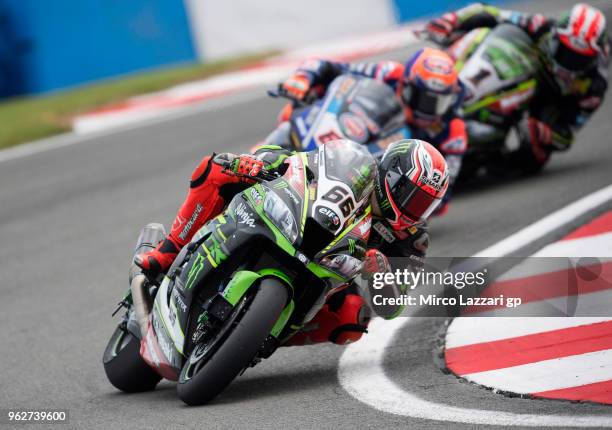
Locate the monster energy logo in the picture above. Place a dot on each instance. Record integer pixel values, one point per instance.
(400, 148)
(215, 252)
(363, 178)
(280, 185)
(351, 243)
(194, 271)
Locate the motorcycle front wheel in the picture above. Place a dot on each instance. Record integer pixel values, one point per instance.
(213, 364)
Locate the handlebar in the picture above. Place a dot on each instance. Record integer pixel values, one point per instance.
(263, 175)
(281, 93)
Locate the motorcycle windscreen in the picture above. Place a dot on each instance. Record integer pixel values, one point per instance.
(351, 164)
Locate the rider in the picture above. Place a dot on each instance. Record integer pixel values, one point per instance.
(426, 85)
(575, 49)
(411, 181)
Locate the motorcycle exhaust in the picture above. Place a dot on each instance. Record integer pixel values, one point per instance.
(148, 239)
(141, 301)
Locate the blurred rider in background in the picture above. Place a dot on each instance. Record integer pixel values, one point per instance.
(575, 49)
(426, 85)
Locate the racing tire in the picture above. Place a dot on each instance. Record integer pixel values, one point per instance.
(251, 327)
(124, 366)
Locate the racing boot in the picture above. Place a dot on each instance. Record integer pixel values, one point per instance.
(343, 319)
(203, 202)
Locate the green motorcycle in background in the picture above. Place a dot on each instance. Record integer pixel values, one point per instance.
(249, 279)
(500, 69)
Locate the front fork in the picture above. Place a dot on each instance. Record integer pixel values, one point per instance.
(219, 307)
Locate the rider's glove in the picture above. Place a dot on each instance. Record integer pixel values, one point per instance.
(375, 262)
(297, 86)
(246, 166)
(441, 30)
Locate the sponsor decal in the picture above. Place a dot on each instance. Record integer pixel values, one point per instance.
(179, 300)
(330, 214)
(439, 66)
(364, 227)
(361, 113)
(294, 174)
(434, 182)
(151, 350)
(192, 220)
(354, 127)
(302, 258)
(291, 196)
(163, 343)
(328, 137)
(194, 271)
(165, 347)
(244, 216)
(344, 264)
(256, 195)
(178, 222)
(384, 232)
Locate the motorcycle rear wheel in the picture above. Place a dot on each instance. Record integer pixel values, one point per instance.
(249, 326)
(124, 366)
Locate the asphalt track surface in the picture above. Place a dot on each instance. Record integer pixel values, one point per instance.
(68, 221)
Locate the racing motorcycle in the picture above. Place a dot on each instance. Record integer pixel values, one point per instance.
(500, 69)
(249, 279)
(354, 107)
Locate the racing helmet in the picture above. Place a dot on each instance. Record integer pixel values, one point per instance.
(575, 42)
(412, 180)
(430, 85)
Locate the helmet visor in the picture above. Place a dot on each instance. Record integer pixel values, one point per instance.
(411, 200)
(570, 59)
(427, 102)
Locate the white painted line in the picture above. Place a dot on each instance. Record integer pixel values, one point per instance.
(361, 373)
(599, 245)
(471, 330)
(549, 375)
(547, 224)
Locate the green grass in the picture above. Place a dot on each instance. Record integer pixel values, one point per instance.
(28, 118)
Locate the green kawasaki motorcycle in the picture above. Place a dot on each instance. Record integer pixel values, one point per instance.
(249, 279)
(501, 70)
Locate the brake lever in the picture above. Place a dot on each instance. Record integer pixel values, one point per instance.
(280, 93)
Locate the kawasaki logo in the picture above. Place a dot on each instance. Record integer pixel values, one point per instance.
(244, 216)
